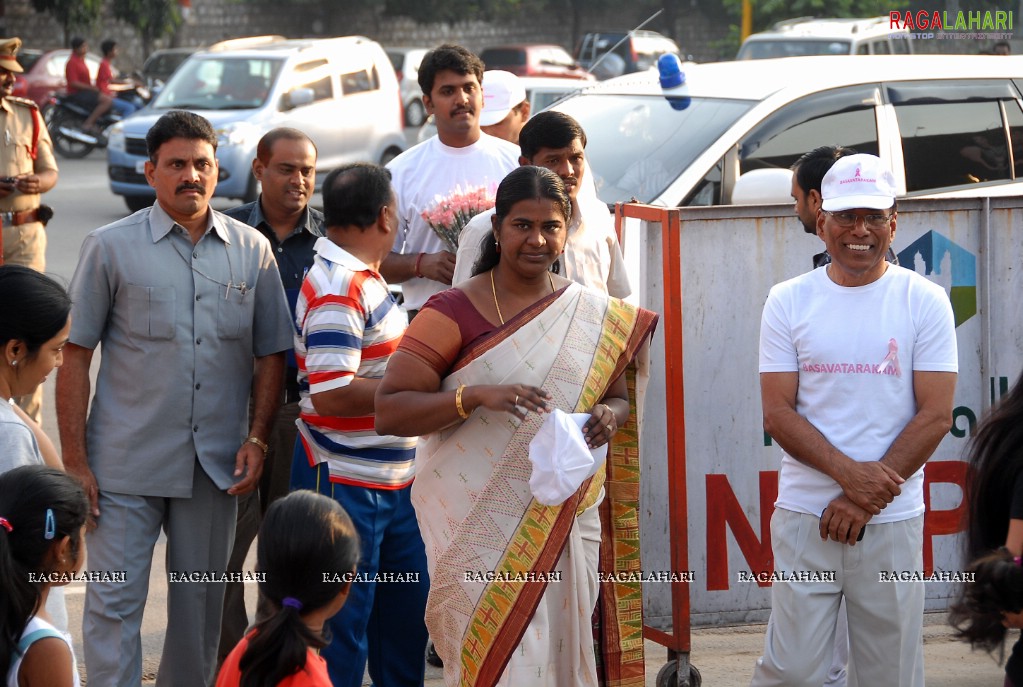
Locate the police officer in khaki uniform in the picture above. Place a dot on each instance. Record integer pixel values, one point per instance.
(27, 169)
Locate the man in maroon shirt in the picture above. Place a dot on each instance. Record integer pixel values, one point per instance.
(80, 88)
(105, 76)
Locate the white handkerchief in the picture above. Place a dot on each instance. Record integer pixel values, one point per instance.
(561, 460)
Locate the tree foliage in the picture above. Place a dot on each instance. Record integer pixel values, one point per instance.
(152, 19)
(71, 14)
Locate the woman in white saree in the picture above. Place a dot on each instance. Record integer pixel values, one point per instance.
(513, 581)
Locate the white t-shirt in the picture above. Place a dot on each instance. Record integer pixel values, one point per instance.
(431, 171)
(855, 349)
(592, 256)
(18, 446)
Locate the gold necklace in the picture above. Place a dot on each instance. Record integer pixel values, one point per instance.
(493, 290)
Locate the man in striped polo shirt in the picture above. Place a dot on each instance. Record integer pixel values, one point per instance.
(347, 326)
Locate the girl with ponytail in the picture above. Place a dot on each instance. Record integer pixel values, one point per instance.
(42, 524)
(307, 553)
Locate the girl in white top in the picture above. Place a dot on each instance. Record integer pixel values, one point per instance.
(34, 325)
(42, 545)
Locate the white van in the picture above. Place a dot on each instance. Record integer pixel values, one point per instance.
(341, 92)
(950, 124)
(808, 36)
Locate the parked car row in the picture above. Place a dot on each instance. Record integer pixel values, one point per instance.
(949, 125)
(946, 124)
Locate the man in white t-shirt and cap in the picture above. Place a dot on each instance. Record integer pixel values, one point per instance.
(505, 105)
(858, 366)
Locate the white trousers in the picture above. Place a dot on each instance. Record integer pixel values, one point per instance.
(885, 618)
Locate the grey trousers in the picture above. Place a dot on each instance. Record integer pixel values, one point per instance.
(200, 531)
(272, 485)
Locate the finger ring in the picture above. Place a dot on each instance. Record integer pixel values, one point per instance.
(516, 399)
(608, 426)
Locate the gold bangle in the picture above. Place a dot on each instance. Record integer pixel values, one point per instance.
(458, 403)
(258, 442)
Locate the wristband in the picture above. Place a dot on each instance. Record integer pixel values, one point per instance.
(458, 403)
(258, 442)
(419, 261)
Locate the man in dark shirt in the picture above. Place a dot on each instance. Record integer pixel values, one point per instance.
(285, 164)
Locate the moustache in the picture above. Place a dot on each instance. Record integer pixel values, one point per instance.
(190, 187)
(460, 110)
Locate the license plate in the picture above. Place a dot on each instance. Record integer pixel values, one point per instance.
(140, 167)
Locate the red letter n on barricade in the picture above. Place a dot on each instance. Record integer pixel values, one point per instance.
(725, 512)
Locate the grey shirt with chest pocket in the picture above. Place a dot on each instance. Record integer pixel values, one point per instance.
(180, 325)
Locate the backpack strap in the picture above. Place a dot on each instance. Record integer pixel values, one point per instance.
(33, 637)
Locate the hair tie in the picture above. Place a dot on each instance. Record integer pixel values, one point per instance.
(292, 602)
(51, 525)
(6, 524)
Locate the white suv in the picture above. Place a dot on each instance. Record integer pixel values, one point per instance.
(945, 124)
(806, 36)
(341, 92)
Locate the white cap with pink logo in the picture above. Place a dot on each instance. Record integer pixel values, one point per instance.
(858, 181)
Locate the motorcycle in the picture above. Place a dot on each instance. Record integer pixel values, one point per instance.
(64, 120)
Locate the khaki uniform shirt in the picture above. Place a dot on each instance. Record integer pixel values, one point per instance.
(16, 131)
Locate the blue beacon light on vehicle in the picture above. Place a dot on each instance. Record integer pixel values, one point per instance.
(669, 68)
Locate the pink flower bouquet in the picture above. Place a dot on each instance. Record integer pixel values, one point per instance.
(450, 214)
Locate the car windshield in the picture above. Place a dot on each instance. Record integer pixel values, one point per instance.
(163, 65)
(638, 145)
(792, 47)
(27, 60)
(503, 56)
(221, 83)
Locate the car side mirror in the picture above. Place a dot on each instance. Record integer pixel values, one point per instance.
(763, 187)
(296, 97)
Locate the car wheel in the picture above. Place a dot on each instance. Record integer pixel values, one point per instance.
(251, 190)
(67, 147)
(389, 155)
(415, 113)
(136, 203)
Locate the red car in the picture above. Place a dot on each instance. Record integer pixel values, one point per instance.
(44, 73)
(534, 60)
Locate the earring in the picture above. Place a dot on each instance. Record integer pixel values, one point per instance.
(497, 245)
(14, 363)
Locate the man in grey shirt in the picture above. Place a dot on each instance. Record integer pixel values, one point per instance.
(191, 314)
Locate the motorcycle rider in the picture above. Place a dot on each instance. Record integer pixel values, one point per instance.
(80, 88)
(105, 76)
